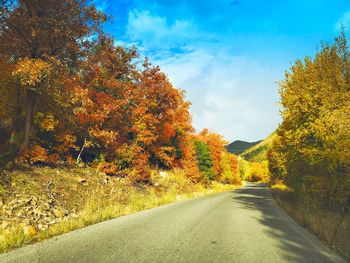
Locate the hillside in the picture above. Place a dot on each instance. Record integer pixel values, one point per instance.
(237, 147)
(257, 153)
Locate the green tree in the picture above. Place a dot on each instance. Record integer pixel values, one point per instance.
(205, 161)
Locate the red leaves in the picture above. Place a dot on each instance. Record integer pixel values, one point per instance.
(38, 155)
(189, 160)
(87, 90)
(116, 105)
(167, 133)
(216, 144)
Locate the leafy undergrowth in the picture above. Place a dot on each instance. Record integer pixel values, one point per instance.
(331, 227)
(55, 201)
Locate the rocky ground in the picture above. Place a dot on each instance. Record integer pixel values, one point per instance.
(34, 200)
(32, 213)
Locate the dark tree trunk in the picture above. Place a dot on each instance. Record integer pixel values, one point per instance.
(16, 122)
(29, 116)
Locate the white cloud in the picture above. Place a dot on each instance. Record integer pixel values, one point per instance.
(156, 31)
(232, 95)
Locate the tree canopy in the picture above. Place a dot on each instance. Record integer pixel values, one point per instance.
(312, 150)
(70, 95)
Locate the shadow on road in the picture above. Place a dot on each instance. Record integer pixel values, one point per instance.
(295, 244)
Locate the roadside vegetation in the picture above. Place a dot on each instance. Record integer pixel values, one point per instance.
(44, 202)
(90, 131)
(310, 155)
(306, 161)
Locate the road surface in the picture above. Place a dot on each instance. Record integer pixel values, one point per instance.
(244, 225)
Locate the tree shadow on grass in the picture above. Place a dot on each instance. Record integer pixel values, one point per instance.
(296, 244)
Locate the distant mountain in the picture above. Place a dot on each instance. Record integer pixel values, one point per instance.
(238, 147)
(257, 153)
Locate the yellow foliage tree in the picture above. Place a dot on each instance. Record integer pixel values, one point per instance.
(312, 150)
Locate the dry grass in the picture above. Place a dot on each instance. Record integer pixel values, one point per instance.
(95, 200)
(331, 227)
(281, 187)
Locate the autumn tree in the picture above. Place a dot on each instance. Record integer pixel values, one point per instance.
(136, 118)
(244, 169)
(72, 95)
(259, 172)
(226, 171)
(189, 162)
(161, 119)
(216, 144)
(100, 96)
(311, 152)
(37, 37)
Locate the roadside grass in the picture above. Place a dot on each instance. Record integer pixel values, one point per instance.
(331, 227)
(99, 202)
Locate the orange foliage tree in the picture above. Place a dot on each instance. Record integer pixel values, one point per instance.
(35, 35)
(136, 118)
(216, 144)
(72, 95)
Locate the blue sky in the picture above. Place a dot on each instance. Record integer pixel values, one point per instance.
(227, 54)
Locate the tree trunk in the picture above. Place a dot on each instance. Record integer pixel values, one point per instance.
(15, 123)
(29, 115)
(81, 151)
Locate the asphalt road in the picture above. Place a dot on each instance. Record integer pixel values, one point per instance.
(244, 225)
